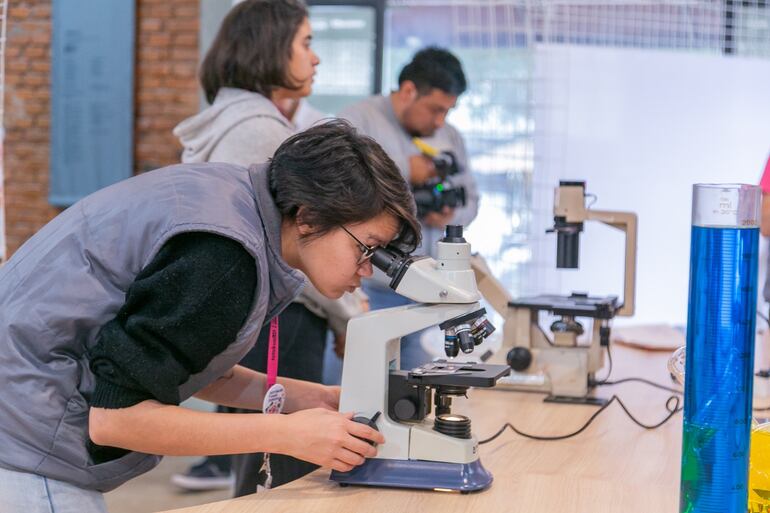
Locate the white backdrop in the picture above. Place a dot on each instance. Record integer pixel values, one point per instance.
(641, 127)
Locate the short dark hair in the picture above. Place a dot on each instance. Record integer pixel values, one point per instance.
(437, 68)
(340, 177)
(252, 48)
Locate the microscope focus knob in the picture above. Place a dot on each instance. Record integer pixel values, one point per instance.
(372, 423)
(519, 358)
(405, 409)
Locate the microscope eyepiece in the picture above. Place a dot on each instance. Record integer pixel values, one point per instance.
(387, 260)
(453, 233)
(393, 263)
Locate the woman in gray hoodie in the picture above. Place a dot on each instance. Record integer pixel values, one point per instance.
(257, 69)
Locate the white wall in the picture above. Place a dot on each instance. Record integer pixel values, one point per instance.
(641, 127)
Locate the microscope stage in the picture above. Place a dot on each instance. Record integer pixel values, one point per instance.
(463, 374)
(576, 305)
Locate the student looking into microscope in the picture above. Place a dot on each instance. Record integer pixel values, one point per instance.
(153, 289)
(259, 68)
(410, 124)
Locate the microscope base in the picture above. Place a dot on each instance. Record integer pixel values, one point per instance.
(426, 475)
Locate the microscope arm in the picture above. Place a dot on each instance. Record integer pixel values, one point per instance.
(520, 325)
(490, 288)
(626, 222)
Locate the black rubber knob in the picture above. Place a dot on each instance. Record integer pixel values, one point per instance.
(519, 358)
(372, 423)
(405, 409)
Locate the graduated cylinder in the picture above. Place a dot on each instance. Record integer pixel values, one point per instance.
(720, 348)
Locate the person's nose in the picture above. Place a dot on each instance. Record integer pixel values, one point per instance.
(316, 60)
(440, 120)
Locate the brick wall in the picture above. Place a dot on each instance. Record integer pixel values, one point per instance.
(27, 120)
(165, 93)
(166, 77)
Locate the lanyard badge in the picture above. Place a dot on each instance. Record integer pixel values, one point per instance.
(275, 397)
(275, 394)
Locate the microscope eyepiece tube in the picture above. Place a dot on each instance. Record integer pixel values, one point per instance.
(386, 261)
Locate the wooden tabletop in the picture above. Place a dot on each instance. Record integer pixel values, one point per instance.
(613, 466)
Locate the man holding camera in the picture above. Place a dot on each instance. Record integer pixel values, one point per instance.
(410, 124)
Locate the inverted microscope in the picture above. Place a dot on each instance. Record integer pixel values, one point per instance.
(559, 363)
(423, 449)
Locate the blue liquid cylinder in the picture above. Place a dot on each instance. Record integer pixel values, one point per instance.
(719, 363)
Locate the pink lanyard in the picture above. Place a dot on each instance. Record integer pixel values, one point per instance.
(272, 354)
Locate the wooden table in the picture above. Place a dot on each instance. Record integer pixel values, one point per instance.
(614, 466)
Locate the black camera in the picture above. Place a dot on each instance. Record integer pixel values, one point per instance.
(434, 195)
(446, 164)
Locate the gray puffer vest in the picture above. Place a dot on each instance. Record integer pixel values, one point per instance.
(71, 278)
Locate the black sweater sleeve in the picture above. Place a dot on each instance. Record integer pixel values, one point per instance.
(182, 310)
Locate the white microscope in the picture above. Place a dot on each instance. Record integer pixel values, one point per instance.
(438, 452)
(559, 364)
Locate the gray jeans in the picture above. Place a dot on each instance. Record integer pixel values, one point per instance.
(21, 492)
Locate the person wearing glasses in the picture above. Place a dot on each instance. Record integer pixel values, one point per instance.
(428, 89)
(258, 69)
(150, 291)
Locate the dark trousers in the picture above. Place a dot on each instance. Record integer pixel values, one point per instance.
(302, 340)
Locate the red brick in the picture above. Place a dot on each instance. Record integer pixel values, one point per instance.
(185, 54)
(190, 11)
(156, 39)
(36, 52)
(186, 39)
(12, 51)
(158, 10)
(41, 37)
(19, 12)
(15, 65)
(150, 24)
(41, 65)
(42, 11)
(185, 25)
(36, 78)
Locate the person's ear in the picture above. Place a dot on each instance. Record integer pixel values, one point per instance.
(300, 221)
(408, 91)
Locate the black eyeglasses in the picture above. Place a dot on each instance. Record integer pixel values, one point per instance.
(366, 251)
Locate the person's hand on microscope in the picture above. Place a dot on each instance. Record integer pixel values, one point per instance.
(439, 219)
(329, 439)
(304, 395)
(421, 169)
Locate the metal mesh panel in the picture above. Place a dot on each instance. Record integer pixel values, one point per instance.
(495, 40)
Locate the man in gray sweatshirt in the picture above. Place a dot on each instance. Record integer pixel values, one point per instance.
(403, 123)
